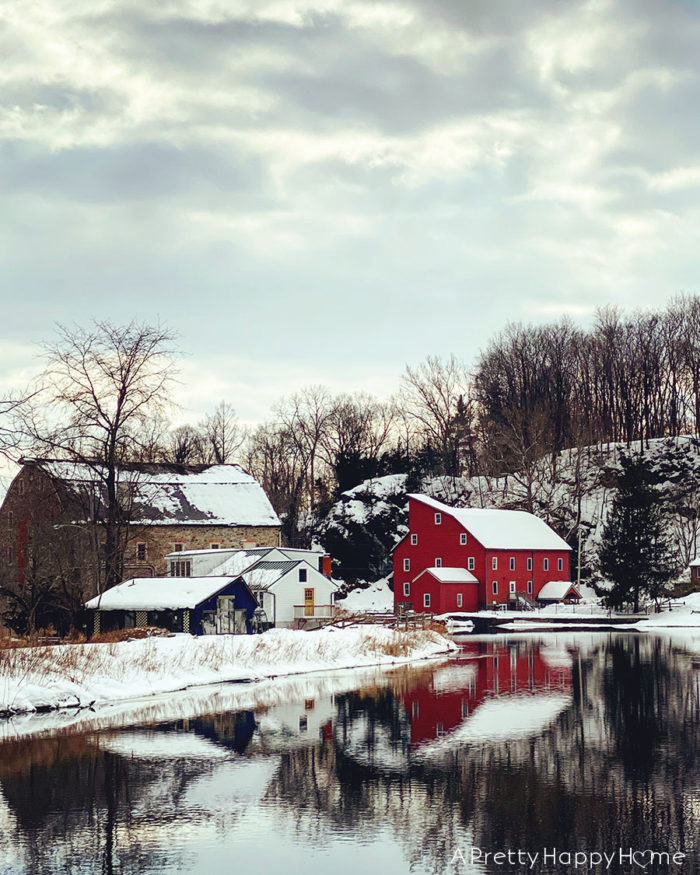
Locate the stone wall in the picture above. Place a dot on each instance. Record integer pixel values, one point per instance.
(160, 540)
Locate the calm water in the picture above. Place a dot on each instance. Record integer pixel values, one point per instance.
(574, 743)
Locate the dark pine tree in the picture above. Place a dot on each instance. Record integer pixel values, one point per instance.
(636, 554)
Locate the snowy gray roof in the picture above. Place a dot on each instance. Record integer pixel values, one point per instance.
(501, 529)
(217, 495)
(265, 574)
(158, 593)
(450, 575)
(556, 590)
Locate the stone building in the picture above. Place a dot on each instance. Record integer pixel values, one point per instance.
(53, 508)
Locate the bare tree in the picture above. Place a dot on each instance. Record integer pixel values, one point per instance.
(305, 419)
(436, 396)
(101, 388)
(222, 435)
(183, 445)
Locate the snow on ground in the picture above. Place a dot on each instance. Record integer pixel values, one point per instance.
(267, 698)
(377, 598)
(78, 675)
(683, 613)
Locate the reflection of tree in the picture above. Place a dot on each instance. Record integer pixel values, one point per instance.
(637, 687)
(618, 776)
(616, 769)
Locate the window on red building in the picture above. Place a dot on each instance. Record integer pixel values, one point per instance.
(470, 563)
(459, 599)
(494, 563)
(545, 564)
(406, 564)
(438, 562)
(463, 538)
(407, 589)
(560, 564)
(529, 563)
(495, 587)
(414, 540)
(426, 600)
(512, 563)
(438, 519)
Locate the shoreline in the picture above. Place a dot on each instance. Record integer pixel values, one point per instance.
(49, 679)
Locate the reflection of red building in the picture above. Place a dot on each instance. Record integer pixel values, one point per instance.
(456, 691)
(507, 555)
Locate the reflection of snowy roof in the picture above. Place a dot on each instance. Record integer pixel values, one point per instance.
(501, 529)
(450, 575)
(556, 590)
(179, 494)
(454, 677)
(158, 593)
(503, 718)
(151, 745)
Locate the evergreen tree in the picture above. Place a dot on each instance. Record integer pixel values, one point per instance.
(636, 553)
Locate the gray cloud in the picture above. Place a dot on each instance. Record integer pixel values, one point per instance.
(379, 180)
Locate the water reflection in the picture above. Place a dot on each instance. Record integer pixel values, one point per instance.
(571, 742)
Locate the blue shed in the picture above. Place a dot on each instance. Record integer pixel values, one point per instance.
(198, 605)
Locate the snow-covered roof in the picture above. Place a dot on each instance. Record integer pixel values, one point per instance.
(234, 564)
(450, 575)
(556, 590)
(221, 495)
(694, 563)
(223, 551)
(265, 574)
(501, 529)
(158, 593)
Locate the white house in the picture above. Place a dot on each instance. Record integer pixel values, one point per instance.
(287, 583)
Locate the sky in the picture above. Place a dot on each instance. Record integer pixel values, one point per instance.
(322, 192)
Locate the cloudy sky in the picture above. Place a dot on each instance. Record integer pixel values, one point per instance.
(323, 191)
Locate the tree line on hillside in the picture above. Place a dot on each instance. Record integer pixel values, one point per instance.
(104, 399)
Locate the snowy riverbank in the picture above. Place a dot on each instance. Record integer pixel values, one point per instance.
(41, 678)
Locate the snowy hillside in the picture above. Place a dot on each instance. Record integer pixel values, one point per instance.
(369, 520)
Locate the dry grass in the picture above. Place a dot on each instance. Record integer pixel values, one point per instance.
(115, 636)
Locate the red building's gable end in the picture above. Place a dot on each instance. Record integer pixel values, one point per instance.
(437, 538)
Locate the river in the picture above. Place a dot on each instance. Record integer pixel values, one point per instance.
(539, 747)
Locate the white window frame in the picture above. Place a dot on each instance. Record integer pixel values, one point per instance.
(529, 563)
(406, 564)
(512, 587)
(494, 563)
(560, 564)
(529, 587)
(494, 587)
(459, 600)
(438, 562)
(406, 589)
(471, 563)
(512, 563)
(414, 540)
(438, 519)
(545, 563)
(426, 599)
(462, 538)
